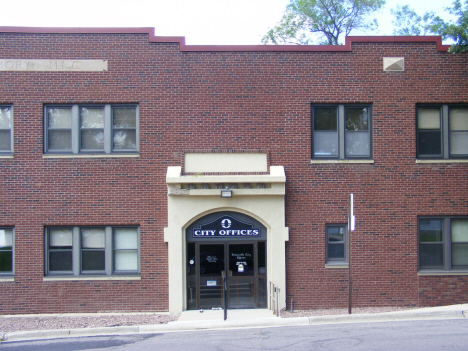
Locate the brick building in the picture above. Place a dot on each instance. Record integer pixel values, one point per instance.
(137, 171)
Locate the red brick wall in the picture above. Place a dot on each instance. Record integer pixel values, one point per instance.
(231, 101)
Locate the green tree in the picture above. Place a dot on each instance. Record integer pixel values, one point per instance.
(408, 22)
(322, 21)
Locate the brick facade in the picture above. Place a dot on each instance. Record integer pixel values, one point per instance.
(239, 98)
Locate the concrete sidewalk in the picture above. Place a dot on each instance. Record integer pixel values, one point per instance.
(214, 319)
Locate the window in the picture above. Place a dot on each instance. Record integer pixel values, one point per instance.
(92, 250)
(336, 243)
(443, 243)
(341, 132)
(6, 127)
(91, 129)
(442, 131)
(6, 251)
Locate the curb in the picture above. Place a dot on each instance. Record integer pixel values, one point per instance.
(234, 324)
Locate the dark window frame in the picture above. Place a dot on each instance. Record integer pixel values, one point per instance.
(76, 130)
(336, 261)
(446, 243)
(341, 131)
(12, 250)
(444, 117)
(77, 251)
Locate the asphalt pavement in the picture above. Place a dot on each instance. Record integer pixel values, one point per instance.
(214, 319)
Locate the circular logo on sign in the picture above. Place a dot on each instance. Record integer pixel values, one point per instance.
(226, 223)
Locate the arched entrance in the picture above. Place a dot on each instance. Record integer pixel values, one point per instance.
(226, 244)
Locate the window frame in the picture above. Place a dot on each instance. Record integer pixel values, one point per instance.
(10, 150)
(76, 129)
(77, 251)
(12, 272)
(336, 261)
(444, 132)
(447, 265)
(341, 130)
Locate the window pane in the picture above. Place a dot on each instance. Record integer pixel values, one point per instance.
(92, 139)
(125, 139)
(431, 255)
(357, 119)
(430, 230)
(5, 140)
(459, 230)
(6, 238)
(125, 238)
(357, 143)
(458, 119)
(92, 238)
(430, 143)
(325, 119)
(126, 260)
(92, 117)
(59, 140)
(335, 251)
(59, 118)
(93, 260)
(6, 261)
(5, 117)
(326, 144)
(335, 234)
(459, 254)
(428, 118)
(124, 117)
(60, 261)
(60, 238)
(458, 143)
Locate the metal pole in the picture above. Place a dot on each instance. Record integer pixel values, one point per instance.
(350, 227)
(225, 296)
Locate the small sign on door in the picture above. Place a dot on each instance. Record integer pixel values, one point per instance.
(211, 283)
(240, 268)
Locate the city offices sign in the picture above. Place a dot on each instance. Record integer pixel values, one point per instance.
(226, 226)
(53, 65)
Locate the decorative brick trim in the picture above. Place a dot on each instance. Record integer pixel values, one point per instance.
(183, 47)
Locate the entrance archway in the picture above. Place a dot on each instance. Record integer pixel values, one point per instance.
(231, 245)
(190, 197)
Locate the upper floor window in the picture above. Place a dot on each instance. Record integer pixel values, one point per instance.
(92, 250)
(443, 243)
(341, 131)
(91, 129)
(442, 131)
(6, 127)
(6, 251)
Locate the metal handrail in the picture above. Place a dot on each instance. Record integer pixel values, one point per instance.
(274, 296)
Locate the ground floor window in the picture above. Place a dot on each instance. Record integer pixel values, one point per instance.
(443, 243)
(92, 250)
(6, 251)
(336, 244)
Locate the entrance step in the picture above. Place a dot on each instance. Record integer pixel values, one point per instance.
(216, 315)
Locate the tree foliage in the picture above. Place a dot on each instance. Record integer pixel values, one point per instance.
(408, 22)
(322, 21)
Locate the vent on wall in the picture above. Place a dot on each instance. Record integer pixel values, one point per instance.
(394, 64)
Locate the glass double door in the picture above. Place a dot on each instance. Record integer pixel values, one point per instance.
(243, 265)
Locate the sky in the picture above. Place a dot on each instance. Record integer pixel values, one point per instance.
(201, 22)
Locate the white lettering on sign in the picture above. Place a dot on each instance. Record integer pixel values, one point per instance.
(204, 232)
(226, 223)
(53, 65)
(239, 232)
